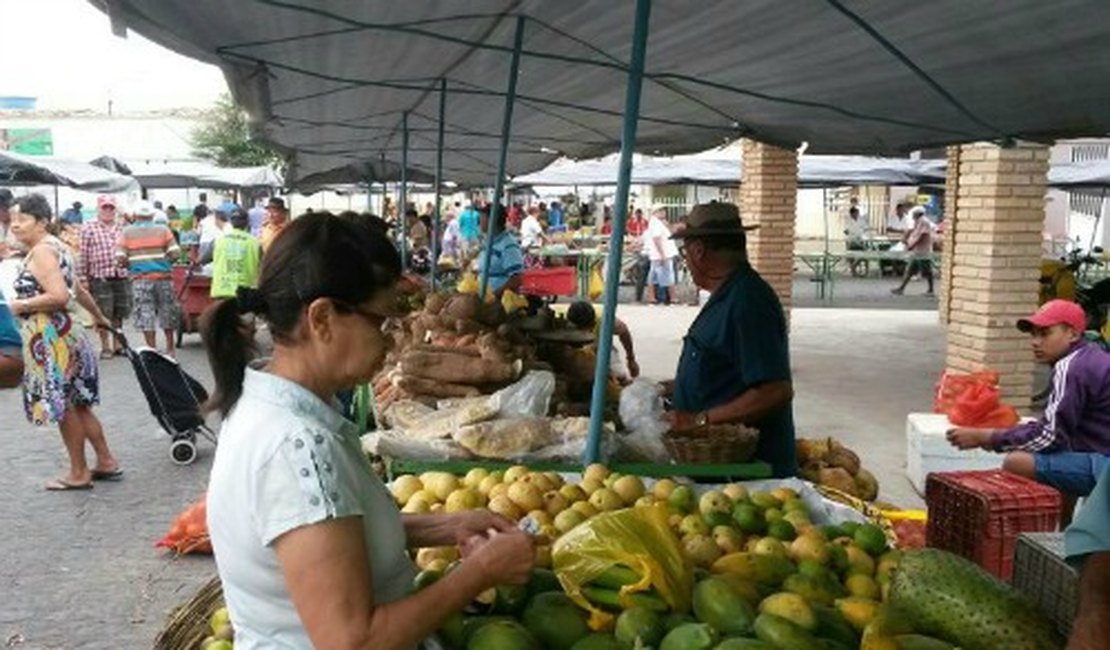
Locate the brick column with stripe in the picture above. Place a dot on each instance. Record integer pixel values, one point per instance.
(769, 197)
(995, 262)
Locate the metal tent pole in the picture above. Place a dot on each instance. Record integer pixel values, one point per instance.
(503, 155)
(613, 272)
(404, 200)
(440, 136)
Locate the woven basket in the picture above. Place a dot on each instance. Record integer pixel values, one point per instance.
(712, 444)
(188, 625)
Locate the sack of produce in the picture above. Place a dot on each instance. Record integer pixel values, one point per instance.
(189, 531)
(444, 423)
(405, 414)
(623, 559)
(391, 445)
(506, 438)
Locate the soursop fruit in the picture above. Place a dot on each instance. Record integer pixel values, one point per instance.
(951, 598)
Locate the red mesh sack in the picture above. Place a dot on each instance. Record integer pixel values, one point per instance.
(952, 385)
(189, 531)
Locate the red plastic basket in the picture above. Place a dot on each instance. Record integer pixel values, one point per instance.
(979, 515)
(556, 281)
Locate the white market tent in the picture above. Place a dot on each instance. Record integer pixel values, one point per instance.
(444, 87)
(708, 169)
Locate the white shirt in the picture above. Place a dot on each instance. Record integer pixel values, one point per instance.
(210, 230)
(657, 236)
(531, 232)
(857, 228)
(286, 460)
(903, 223)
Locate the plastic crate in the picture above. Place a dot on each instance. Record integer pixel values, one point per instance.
(979, 515)
(557, 281)
(1045, 579)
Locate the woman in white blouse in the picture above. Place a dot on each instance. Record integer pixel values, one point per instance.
(309, 544)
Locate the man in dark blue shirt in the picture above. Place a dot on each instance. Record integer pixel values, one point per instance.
(735, 363)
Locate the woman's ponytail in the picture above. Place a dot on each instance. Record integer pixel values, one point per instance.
(230, 346)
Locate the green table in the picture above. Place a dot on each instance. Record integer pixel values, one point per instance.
(823, 265)
(725, 472)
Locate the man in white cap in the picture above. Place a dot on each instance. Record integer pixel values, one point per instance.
(101, 271)
(919, 242)
(148, 248)
(735, 362)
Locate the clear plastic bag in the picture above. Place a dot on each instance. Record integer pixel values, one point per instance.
(641, 411)
(638, 538)
(528, 398)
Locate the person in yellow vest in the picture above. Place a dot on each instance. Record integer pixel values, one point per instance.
(236, 258)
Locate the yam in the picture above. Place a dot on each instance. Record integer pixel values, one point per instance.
(491, 314)
(456, 348)
(446, 321)
(436, 388)
(463, 306)
(455, 368)
(838, 478)
(466, 341)
(465, 327)
(435, 303)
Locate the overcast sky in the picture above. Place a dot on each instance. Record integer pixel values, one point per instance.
(63, 52)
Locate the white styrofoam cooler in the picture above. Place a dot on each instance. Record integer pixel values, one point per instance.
(928, 450)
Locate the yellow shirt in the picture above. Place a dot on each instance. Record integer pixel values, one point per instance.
(270, 232)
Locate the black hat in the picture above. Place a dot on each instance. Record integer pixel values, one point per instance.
(713, 220)
(6, 198)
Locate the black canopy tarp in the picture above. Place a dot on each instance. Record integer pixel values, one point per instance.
(16, 169)
(332, 78)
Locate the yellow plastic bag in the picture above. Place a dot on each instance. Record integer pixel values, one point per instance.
(638, 538)
(468, 283)
(597, 285)
(511, 301)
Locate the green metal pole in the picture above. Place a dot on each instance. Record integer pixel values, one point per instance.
(616, 241)
(440, 136)
(502, 161)
(404, 186)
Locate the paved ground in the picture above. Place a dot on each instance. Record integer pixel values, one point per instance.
(78, 570)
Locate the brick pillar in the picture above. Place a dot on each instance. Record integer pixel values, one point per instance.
(1000, 210)
(951, 194)
(769, 197)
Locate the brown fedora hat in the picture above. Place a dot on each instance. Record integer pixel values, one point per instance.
(713, 220)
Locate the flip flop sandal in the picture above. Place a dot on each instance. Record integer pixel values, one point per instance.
(62, 485)
(106, 354)
(113, 475)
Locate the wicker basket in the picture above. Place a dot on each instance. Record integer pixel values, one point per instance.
(715, 443)
(188, 625)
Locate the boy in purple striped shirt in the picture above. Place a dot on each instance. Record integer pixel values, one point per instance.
(1069, 445)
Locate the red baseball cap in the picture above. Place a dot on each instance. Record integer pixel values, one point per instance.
(1056, 312)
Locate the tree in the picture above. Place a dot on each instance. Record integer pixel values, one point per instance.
(223, 137)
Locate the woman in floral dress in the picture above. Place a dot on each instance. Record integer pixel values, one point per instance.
(60, 380)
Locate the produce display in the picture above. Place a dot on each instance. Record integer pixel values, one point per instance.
(760, 574)
(626, 564)
(828, 462)
(455, 346)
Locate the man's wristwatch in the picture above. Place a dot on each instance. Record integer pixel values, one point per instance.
(701, 419)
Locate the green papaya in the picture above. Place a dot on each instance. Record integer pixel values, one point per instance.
(598, 641)
(543, 580)
(718, 604)
(739, 643)
(691, 636)
(615, 577)
(783, 634)
(554, 619)
(831, 624)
